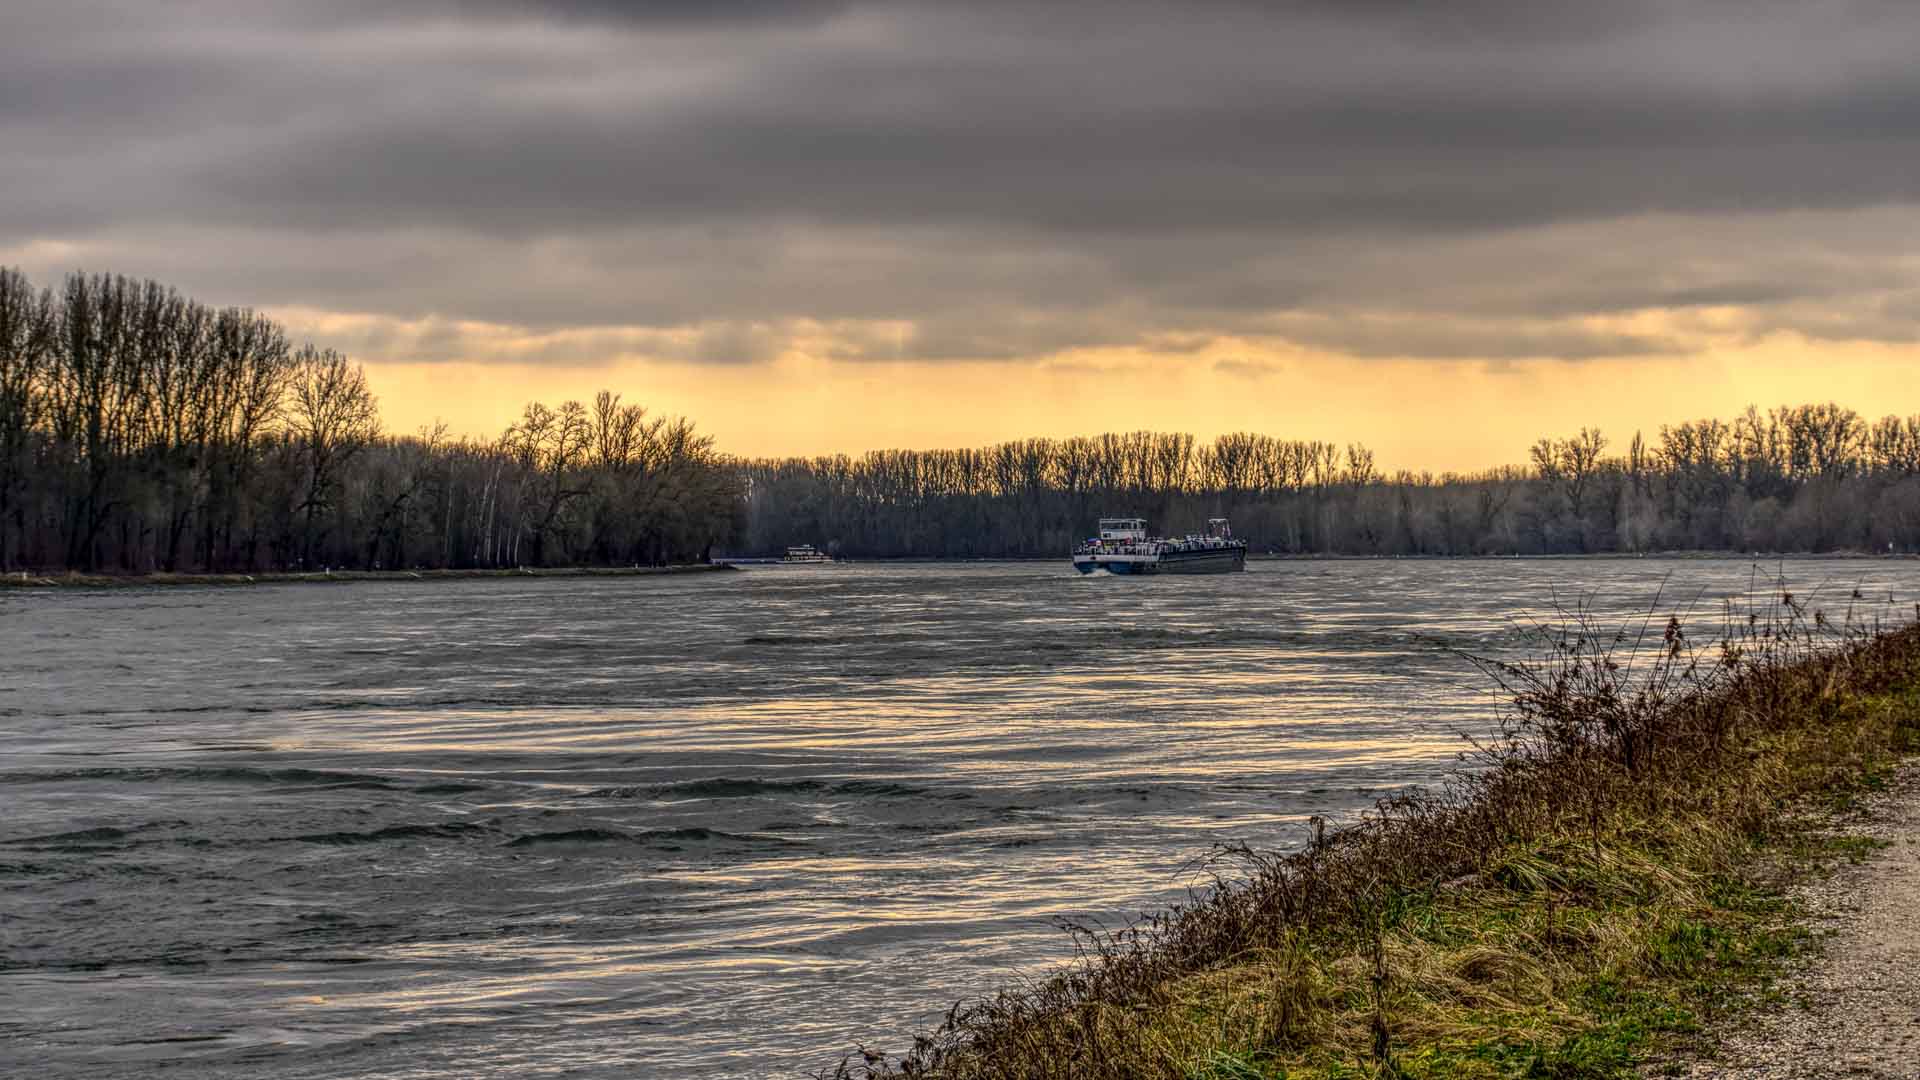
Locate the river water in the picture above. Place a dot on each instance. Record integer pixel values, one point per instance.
(701, 826)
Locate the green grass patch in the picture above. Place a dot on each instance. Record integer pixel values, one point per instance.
(1562, 961)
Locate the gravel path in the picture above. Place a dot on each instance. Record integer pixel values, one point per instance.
(1856, 1010)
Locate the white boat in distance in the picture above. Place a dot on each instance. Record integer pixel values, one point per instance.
(1123, 547)
(805, 553)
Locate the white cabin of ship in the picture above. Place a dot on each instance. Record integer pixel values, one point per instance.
(1123, 529)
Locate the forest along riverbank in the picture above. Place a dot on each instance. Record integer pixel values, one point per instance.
(24, 579)
(1613, 886)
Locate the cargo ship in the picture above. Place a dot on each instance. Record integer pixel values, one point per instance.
(1123, 547)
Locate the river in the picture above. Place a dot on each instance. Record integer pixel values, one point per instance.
(717, 825)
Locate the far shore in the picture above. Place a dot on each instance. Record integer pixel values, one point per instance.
(1685, 553)
(1332, 556)
(103, 580)
(28, 579)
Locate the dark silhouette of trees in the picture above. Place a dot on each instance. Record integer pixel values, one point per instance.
(28, 328)
(1805, 478)
(1570, 466)
(141, 431)
(332, 417)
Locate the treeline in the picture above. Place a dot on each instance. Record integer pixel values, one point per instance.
(142, 431)
(1806, 478)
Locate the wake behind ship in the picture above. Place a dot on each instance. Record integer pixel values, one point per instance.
(1123, 547)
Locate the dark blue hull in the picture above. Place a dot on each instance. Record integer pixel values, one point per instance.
(1215, 561)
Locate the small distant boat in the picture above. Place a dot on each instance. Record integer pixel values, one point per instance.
(805, 553)
(1123, 547)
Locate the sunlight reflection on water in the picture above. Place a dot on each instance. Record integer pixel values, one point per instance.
(715, 826)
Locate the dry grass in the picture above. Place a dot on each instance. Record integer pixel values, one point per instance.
(1592, 887)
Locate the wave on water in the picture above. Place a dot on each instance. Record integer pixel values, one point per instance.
(743, 787)
(661, 839)
(77, 840)
(450, 830)
(971, 645)
(98, 838)
(312, 778)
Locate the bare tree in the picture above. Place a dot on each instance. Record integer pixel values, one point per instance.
(1569, 465)
(412, 465)
(96, 395)
(29, 330)
(255, 363)
(332, 416)
(552, 445)
(1359, 465)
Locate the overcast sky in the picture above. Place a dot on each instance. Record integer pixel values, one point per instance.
(727, 184)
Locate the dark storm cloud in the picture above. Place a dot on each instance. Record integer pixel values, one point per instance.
(648, 12)
(1011, 179)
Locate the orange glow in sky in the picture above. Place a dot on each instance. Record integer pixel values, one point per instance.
(1415, 414)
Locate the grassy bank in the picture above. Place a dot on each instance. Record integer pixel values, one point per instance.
(1604, 886)
(29, 580)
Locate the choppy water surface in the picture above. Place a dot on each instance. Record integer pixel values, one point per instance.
(719, 825)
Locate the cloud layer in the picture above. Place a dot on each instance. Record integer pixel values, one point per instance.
(727, 182)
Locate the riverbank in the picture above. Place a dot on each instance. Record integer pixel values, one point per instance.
(28, 580)
(1610, 889)
(1855, 1010)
